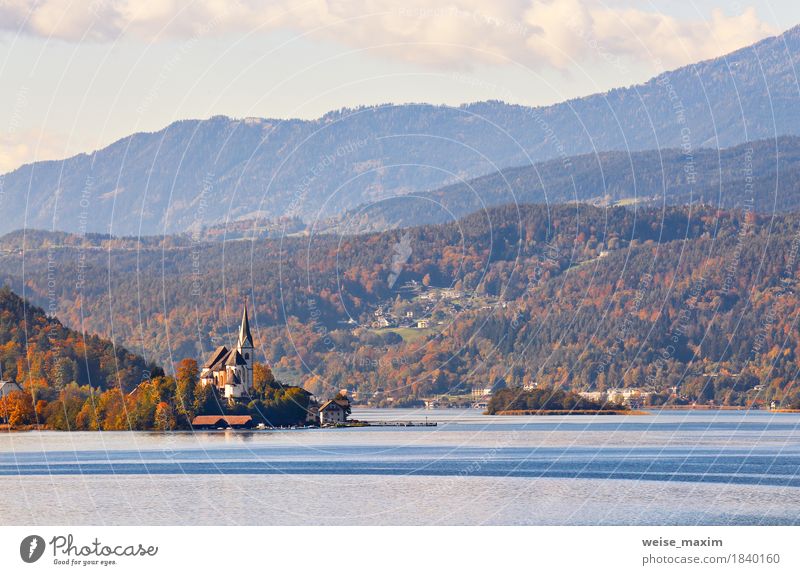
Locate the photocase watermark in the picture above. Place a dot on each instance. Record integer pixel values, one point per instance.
(66, 551)
(32, 548)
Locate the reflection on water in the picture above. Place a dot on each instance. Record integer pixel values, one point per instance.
(673, 468)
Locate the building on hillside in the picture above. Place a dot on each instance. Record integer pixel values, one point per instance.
(478, 392)
(599, 396)
(312, 412)
(630, 396)
(230, 371)
(333, 411)
(7, 387)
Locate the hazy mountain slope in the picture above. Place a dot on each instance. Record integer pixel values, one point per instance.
(763, 176)
(206, 171)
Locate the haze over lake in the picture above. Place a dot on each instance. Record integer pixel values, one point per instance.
(665, 468)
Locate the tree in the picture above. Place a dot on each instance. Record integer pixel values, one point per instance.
(263, 379)
(19, 407)
(187, 377)
(206, 401)
(111, 410)
(165, 417)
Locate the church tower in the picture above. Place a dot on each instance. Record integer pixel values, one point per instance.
(246, 349)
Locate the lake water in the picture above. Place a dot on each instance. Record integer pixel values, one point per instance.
(670, 468)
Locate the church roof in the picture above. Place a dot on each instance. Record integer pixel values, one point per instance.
(235, 358)
(217, 357)
(245, 337)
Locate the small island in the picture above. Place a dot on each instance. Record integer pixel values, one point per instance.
(550, 401)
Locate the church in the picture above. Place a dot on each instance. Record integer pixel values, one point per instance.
(230, 371)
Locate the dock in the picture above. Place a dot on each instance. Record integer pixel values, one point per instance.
(400, 423)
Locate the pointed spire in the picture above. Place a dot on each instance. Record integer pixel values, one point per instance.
(245, 337)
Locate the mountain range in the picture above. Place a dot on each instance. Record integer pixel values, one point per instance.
(761, 176)
(195, 173)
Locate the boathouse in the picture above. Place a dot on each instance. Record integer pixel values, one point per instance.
(222, 421)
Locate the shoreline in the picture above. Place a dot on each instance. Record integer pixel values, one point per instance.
(570, 412)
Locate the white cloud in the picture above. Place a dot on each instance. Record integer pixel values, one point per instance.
(534, 32)
(25, 146)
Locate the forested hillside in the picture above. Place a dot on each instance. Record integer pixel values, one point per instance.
(39, 352)
(693, 302)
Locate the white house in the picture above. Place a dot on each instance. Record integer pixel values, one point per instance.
(333, 411)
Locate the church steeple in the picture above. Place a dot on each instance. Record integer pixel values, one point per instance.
(245, 337)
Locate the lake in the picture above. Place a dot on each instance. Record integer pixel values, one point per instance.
(676, 467)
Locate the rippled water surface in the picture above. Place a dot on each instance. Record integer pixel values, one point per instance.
(670, 468)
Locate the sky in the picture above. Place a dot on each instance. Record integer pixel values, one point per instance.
(76, 75)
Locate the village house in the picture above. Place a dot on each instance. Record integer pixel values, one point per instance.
(478, 392)
(333, 411)
(7, 387)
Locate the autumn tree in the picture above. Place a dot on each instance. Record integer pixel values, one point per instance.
(19, 409)
(187, 376)
(165, 417)
(263, 379)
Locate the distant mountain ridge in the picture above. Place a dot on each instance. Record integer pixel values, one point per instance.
(195, 173)
(762, 176)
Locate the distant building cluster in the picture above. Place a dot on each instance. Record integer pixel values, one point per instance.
(630, 396)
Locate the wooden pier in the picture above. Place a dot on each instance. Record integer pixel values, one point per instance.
(401, 423)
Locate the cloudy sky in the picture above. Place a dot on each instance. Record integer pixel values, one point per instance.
(79, 74)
